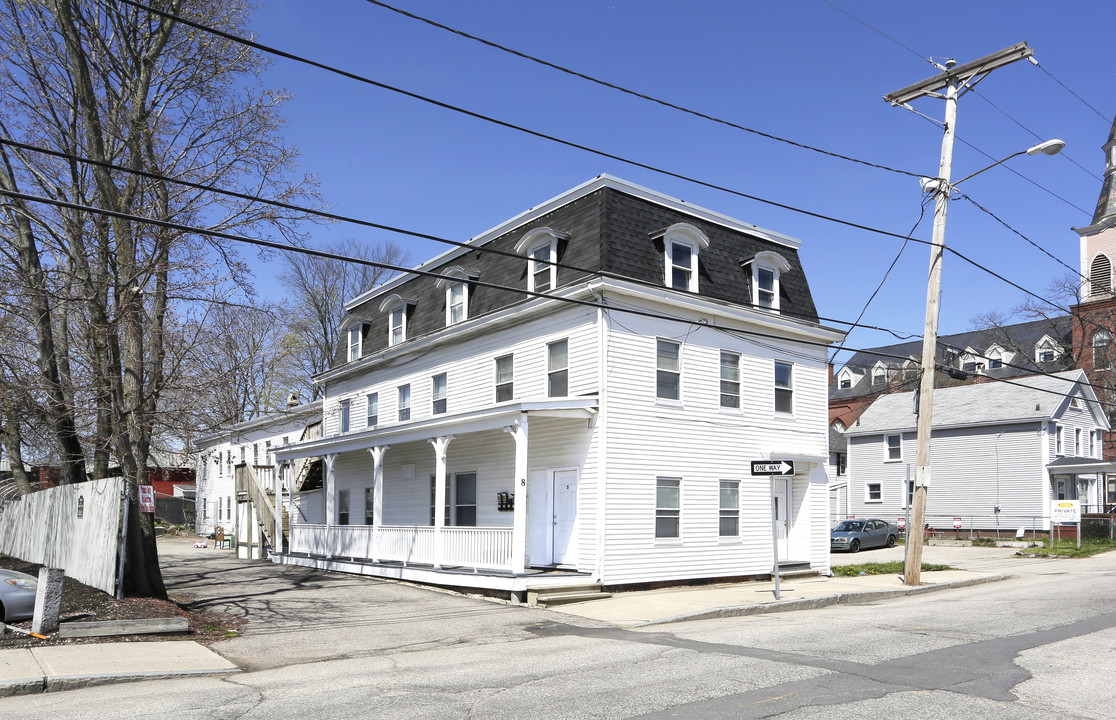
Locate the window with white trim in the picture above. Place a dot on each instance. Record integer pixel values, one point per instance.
(845, 383)
(354, 343)
(404, 402)
(540, 247)
(767, 269)
(457, 303)
(1077, 449)
(668, 507)
(397, 325)
(558, 368)
(372, 410)
(894, 444)
(875, 493)
(346, 406)
(729, 516)
(342, 507)
(438, 392)
(505, 387)
(668, 370)
(730, 380)
(1059, 440)
(784, 387)
(682, 246)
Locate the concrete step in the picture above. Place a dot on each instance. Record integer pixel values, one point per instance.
(797, 573)
(544, 599)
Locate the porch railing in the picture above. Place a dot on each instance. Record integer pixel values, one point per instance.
(478, 548)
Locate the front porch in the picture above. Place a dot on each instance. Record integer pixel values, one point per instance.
(448, 502)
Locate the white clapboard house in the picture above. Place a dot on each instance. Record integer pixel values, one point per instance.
(1000, 451)
(577, 392)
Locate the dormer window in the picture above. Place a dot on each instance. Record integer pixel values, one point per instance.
(845, 382)
(682, 244)
(354, 343)
(456, 284)
(1046, 350)
(541, 248)
(995, 358)
(879, 375)
(767, 269)
(397, 310)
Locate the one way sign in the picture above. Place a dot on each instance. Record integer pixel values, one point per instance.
(772, 467)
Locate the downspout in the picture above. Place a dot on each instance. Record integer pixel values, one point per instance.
(602, 434)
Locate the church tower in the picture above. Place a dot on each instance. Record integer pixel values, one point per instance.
(1094, 318)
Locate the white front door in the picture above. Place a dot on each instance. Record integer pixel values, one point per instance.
(564, 483)
(781, 499)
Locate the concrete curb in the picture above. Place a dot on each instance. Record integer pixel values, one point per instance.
(845, 598)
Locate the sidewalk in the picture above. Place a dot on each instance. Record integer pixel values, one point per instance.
(66, 667)
(679, 604)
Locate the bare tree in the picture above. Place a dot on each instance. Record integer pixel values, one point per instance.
(318, 290)
(129, 88)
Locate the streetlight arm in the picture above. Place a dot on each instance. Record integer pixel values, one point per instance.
(1049, 147)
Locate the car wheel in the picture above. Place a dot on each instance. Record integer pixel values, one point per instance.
(854, 546)
(891, 541)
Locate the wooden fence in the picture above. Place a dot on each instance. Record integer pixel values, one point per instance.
(73, 527)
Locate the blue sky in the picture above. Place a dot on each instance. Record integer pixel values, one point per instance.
(800, 69)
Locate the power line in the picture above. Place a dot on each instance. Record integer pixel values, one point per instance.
(1067, 89)
(365, 223)
(359, 78)
(881, 33)
(634, 93)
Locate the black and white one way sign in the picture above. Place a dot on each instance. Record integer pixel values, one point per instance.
(772, 467)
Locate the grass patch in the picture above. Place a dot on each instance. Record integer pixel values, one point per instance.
(1068, 548)
(885, 568)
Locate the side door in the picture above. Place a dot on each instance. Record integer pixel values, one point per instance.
(877, 533)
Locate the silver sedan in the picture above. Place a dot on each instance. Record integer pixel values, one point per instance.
(17, 595)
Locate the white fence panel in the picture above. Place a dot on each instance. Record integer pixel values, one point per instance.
(73, 527)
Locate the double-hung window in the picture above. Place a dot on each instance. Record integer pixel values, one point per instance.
(894, 447)
(784, 387)
(504, 378)
(404, 403)
(397, 325)
(1078, 450)
(682, 245)
(668, 507)
(766, 294)
(729, 520)
(457, 303)
(438, 390)
(354, 343)
(372, 411)
(346, 406)
(730, 380)
(668, 370)
(767, 269)
(875, 492)
(558, 369)
(342, 507)
(683, 261)
(542, 267)
(1059, 441)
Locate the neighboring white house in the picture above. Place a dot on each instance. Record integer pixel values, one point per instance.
(1000, 452)
(596, 420)
(247, 449)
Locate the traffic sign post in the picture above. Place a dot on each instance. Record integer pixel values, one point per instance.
(773, 469)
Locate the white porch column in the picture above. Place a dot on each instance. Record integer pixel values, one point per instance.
(518, 431)
(440, 444)
(277, 546)
(378, 484)
(327, 488)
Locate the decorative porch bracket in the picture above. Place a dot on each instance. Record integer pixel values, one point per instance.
(440, 445)
(518, 431)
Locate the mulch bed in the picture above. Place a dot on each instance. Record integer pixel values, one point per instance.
(85, 604)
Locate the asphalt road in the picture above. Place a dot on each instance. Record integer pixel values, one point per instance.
(320, 645)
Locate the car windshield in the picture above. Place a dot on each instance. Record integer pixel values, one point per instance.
(850, 526)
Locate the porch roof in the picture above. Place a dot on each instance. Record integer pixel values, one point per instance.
(490, 418)
(1080, 466)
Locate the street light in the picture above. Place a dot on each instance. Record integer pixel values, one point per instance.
(1048, 147)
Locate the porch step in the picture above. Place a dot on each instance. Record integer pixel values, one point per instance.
(561, 598)
(796, 569)
(559, 595)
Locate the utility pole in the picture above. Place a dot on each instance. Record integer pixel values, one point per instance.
(952, 79)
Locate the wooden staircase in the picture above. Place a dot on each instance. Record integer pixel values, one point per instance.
(581, 592)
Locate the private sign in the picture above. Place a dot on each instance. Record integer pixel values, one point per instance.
(777, 467)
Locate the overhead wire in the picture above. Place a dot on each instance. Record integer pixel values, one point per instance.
(1067, 88)
(634, 93)
(365, 80)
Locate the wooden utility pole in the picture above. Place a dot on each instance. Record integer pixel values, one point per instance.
(952, 79)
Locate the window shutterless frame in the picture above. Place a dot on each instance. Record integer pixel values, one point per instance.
(404, 402)
(505, 388)
(668, 507)
(668, 370)
(558, 368)
(784, 387)
(438, 392)
(730, 380)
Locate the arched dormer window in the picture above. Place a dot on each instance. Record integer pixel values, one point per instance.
(455, 281)
(1100, 275)
(541, 248)
(767, 268)
(352, 330)
(682, 244)
(397, 310)
(1102, 349)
